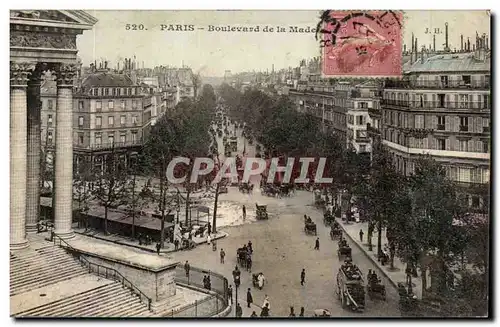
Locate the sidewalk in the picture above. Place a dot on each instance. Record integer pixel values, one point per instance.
(127, 241)
(394, 276)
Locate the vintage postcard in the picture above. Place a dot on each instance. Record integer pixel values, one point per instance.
(250, 164)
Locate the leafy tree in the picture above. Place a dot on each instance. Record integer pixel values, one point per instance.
(182, 132)
(82, 178)
(427, 236)
(137, 200)
(112, 184)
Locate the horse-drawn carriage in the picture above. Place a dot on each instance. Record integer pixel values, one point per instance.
(335, 230)
(244, 257)
(375, 286)
(245, 188)
(350, 288)
(309, 226)
(261, 212)
(344, 249)
(269, 190)
(328, 217)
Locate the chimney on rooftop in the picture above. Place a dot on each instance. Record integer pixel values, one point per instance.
(446, 36)
(412, 43)
(461, 42)
(468, 44)
(434, 42)
(404, 48)
(486, 43)
(422, 55)
(416, 49)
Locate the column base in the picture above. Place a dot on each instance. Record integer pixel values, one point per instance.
(64, 234)
(19, 246)
(31, 228)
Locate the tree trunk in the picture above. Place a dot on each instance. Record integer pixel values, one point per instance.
(106, 218)
(370, 235)
(134, 207)
(423, 276)
(379, 238)
(188, 193)
(162, 210)
(216, 200)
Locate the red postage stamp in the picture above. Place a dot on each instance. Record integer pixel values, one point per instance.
(361, 43)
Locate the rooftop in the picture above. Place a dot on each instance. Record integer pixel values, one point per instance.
(450, 62)
(107, 79)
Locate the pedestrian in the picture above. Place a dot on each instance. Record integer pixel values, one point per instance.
(230, 293)
(250, 248)
(408, 274)
(186, 268)
(176, 244)
(244, 212)
(316, 247)
(249, 297)
(239, 310)
(158, 248)
(253, 315)
(361, 235)
(222, 255)
(265, 311)
(249, 262)
(303, 277)
(292, 314)
(209, 283)
(266, 302)
(209, 229)
(301, 312)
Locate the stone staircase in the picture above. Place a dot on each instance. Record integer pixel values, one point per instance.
(41, 267)
(111, 300)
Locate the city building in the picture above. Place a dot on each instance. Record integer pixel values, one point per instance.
(442, 108)
(363, 98)
(342, 107)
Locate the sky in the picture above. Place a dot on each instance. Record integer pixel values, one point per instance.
(211, 53)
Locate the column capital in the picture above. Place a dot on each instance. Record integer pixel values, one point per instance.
(65, 74)
(20, 73)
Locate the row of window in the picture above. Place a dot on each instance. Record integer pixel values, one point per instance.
(438, 122)
(111, 121)
(458, 174)
(426, 100)
(111, 137)
(360, 119)
(111, 105)
(114, 91)
(438, 143)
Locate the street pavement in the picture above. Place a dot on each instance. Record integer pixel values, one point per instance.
(281, 250)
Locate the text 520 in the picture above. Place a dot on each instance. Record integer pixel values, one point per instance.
(135, 27)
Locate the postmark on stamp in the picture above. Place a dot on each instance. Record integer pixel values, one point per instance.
(361, 43)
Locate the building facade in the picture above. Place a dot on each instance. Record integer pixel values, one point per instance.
(343, 108)
(33, 52)
(442, 108)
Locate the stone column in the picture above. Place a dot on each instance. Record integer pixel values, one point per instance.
(34, 144)
(19, 75)
(63, 197)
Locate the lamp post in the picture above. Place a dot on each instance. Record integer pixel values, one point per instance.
(236, 280)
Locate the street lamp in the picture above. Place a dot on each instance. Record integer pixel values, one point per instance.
(236, 279)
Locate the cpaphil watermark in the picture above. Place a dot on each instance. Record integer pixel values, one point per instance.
(297, 171)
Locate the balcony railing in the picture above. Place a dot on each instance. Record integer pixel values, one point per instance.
(438, 104)
(450, 84)
(109, 145)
